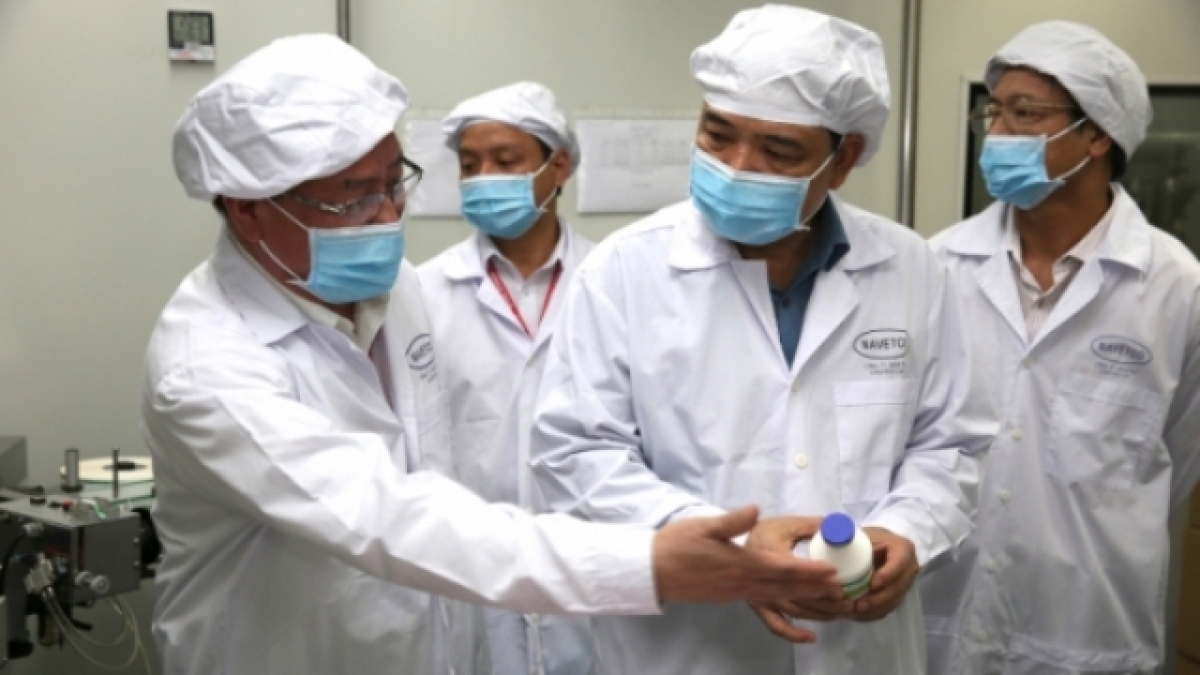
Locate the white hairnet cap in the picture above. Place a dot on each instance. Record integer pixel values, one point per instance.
(301, 108)
(528, 106)
(793, 65)
(1101, 77)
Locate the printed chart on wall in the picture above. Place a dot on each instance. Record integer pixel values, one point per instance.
(437, 196)
(633, 166)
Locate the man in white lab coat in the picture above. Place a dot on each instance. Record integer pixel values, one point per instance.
(765, 342)
(493, 303)
(1086, 324)
(292, 403)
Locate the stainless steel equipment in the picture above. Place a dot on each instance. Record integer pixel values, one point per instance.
(63, 550)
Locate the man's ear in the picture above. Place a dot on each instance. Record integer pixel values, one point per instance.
(245, 218)
(1101, 143)
(848, 154)
(560, 164)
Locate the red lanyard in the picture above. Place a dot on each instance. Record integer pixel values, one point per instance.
(512, 306)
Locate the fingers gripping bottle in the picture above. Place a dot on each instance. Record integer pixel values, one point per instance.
(844, 545)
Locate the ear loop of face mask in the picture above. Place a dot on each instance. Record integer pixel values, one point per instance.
(806, 223)
(1078, 167)
(295, 280)
(533, 184)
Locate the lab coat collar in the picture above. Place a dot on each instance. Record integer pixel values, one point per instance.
(466, 264)
(1127, 242)
(268, 313)
(694, 246)
(981, 235)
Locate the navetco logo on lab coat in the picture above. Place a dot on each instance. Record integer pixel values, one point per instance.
(882, 344)
(420, 352)
(1115, 349)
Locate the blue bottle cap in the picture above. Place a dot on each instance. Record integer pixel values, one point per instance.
(837, 529)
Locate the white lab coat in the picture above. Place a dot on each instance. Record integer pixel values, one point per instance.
(490, 370)
(1067, 571)
(289, 495)
(667, 395)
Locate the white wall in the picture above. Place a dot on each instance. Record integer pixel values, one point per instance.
(95, 231)
(610, 57)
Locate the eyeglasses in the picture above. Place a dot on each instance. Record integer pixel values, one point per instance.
(1020, 117)
(364, 208)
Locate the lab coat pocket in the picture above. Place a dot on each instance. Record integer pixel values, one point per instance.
(873, 421)
(1100, 431)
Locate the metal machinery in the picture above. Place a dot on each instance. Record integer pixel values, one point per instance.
(68, 548)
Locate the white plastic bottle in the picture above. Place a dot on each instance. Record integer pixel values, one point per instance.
(844, 545)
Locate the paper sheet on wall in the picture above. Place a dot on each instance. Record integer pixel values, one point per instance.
(633, 166)
(437, 196)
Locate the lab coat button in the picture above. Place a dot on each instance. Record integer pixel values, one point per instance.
(796, 384)
(1016, 434)
(1005, 496)
(992, 567)
(1027, 362)
(801, 461)
(981, 635)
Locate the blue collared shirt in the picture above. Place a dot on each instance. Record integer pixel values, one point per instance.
(792, 303)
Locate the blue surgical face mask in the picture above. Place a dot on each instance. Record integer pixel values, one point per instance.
(749, 208)
(1014, 168)
(502, 206)
(348, 264)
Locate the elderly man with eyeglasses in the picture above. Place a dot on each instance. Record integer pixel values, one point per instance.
(1085, 319)
(293, 406)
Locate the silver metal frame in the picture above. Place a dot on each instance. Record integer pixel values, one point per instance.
(908, 114)
(343, 19)
(963, 163)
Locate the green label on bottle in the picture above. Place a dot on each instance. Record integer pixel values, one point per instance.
(857, 588)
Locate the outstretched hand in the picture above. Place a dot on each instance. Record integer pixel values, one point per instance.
(780, 535)
(695, 561)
